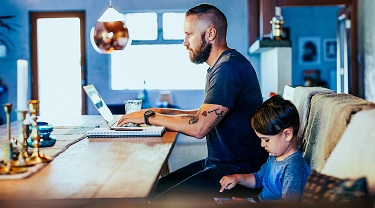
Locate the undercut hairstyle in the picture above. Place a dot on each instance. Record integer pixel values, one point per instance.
(211, 14)
(275, 115)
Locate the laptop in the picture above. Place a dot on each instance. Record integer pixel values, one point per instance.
(104, 111)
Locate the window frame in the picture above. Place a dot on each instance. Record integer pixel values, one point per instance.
(159, 40)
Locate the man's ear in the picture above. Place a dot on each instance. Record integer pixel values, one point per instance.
(211, 31)
(288, 134)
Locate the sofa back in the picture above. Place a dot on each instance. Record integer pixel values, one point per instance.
(338, 132)
(329, 116)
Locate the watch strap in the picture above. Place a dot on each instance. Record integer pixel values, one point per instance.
(147, 115)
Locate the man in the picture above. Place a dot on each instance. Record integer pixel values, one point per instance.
(232, 95)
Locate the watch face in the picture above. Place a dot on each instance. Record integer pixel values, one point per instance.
(149, 112)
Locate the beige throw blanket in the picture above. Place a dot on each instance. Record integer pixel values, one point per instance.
(329, 116)
(302, 100)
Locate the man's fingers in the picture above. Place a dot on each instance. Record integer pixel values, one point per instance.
(121, 121)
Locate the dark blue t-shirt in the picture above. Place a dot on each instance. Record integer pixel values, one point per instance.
(232, 82)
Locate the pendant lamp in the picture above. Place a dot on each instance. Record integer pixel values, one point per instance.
(110, 32)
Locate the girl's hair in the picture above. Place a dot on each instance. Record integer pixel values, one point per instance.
(275, 115)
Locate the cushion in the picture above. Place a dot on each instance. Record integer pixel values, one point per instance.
(320, 187)
(354, 154)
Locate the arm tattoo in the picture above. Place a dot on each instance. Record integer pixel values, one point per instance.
(193, 120)
(219, 116)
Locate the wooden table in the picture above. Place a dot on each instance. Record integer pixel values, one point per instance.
(100, 168)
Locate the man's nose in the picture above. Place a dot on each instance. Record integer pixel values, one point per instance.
(186, 42)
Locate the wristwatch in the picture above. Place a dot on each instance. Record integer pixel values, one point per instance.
(147, 115)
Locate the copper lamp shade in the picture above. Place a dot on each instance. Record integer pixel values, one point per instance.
(109, 36)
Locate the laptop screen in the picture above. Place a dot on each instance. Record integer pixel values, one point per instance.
(99, 104)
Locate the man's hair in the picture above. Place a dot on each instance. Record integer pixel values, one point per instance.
(275, 115)
(212, 14)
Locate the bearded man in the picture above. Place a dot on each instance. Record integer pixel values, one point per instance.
(232, 95)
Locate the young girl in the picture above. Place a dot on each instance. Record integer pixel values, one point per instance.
(284, 175)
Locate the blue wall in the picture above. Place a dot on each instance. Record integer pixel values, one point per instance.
(318, 22)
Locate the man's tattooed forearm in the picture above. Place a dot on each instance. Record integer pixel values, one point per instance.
(193, 120)
(219, 115)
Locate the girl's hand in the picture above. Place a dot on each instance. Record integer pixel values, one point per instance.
(228, 182)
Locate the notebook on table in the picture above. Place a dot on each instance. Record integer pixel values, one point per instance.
(150, 131)
(113, 130)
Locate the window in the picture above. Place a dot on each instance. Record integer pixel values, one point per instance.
(142, 26)
(173, 25)
(156, 55)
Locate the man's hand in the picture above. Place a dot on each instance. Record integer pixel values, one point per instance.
(136, 117)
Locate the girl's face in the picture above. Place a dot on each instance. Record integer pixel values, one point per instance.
(277, 145)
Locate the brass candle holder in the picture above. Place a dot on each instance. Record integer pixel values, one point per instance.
(8, 109)
(26, 126)
(36, 157)
(21, 141)
(6, 168)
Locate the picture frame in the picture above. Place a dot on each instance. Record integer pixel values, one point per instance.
(309, 50)
(330, 49)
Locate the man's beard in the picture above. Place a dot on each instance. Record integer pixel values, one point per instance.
(200, 56)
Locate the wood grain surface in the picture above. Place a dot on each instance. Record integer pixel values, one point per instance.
(92, 168)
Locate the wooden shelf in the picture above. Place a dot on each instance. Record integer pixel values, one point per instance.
(263, 45)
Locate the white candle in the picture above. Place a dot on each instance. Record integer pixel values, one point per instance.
(22, 84)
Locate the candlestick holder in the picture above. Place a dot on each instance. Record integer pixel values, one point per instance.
(21, 141)
(5, 167)
(26, 126)
(8, 109)
(36, 157)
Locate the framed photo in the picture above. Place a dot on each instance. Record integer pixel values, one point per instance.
(330, 49)
(309, 50)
